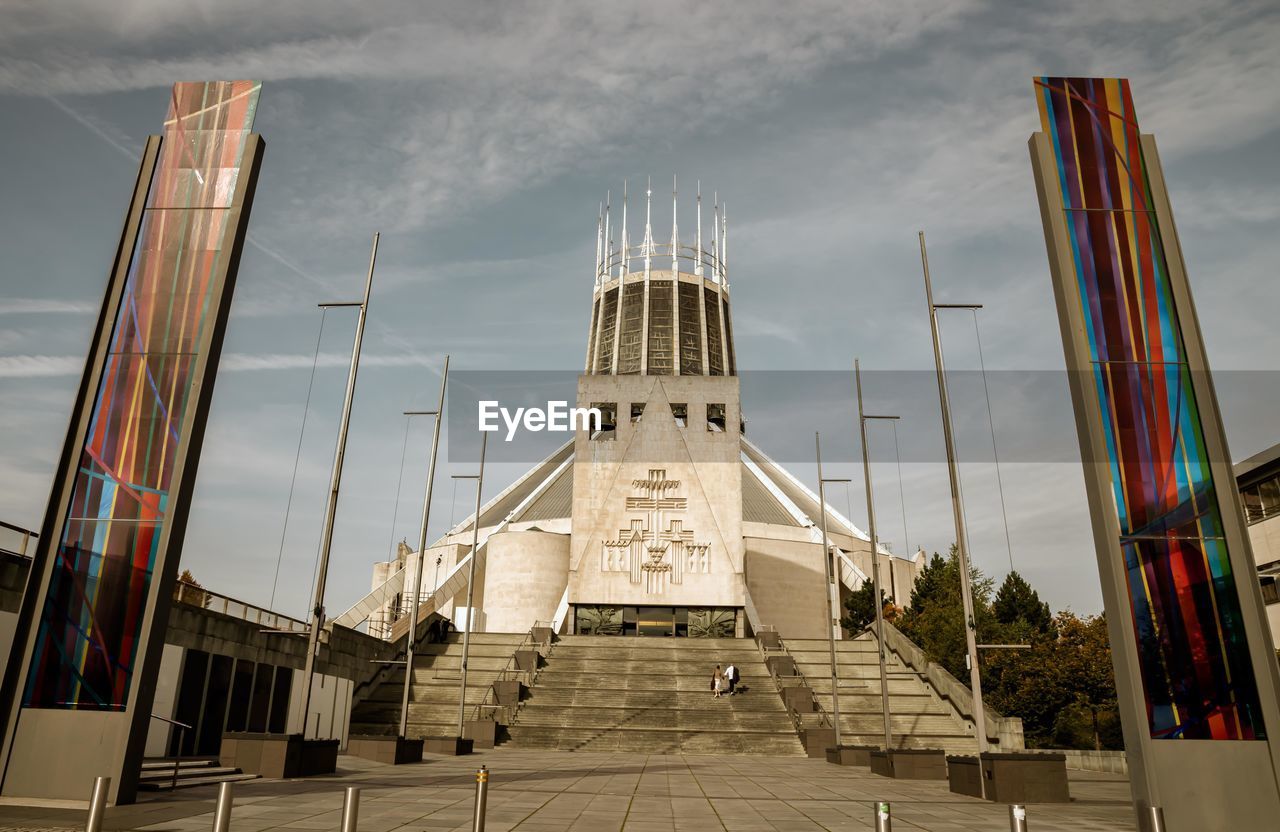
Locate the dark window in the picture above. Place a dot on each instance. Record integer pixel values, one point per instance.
(681, 413)
(637, 410)
(608, 420)
(241, 692)
(690, 330)
(716, 418)
(280, 700)
(213, 718)
(607, 329)
(261, 699)
(195, 669)
(1270, 592)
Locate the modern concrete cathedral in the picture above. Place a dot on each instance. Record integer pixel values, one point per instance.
(667, 520)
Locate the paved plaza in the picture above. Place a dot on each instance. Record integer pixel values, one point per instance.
(599, 792)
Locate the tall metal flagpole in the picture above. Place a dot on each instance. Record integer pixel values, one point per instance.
(331, 510)
(422, 553)
(962, 548)
(832, 591)
(875, 555)
(471, 590)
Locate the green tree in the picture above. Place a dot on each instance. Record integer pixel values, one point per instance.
(1016, 602)
(935, 619)
(860, 608)
(1085, 654)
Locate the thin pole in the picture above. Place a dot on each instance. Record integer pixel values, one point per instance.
(966, 590)
(831, 590)
(875, 558)
(471, 590)
(422, 553)
(331, 510)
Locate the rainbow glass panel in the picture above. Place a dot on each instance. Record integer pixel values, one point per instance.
(1195, 664)
(90, 626)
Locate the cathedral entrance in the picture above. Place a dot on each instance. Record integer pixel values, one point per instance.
(655, 622)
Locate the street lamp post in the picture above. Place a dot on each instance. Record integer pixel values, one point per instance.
(962, 548)
(331, 509)
(438, 413)
(833, 589)
(471, 585)
(875, 554)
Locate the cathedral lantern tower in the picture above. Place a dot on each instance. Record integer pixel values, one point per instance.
(661, 308)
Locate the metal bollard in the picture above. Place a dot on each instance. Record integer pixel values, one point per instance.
(350, 809)
(883, 821)
(97, 804)
(222, 811)
(1155, 819)
(1017, 818)
(482, 797)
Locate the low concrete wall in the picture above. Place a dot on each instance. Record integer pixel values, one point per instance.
(1113, 762)
(1006, 732)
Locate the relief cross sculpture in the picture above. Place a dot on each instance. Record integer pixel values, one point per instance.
(648, 551)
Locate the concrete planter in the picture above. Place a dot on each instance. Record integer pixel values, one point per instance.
(541, 635)
(391, 750)
(910, 763)
(1011, 777)
(781, 666)
(799, 699)
(508, 691)
(817, 740)
(452, 746)
(851, 755)
(769, 639)
(278, 756)
(483, 733)
(527, 660)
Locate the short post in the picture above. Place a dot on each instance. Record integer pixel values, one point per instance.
(482, 796)
(97, 804)
(222, 812)
(883, 822)
(1017, 818)
(350, 809)
(1155, 819)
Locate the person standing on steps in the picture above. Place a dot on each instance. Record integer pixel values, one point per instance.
(731, 676)
(717, 681)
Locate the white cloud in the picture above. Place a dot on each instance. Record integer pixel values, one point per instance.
(44, 306)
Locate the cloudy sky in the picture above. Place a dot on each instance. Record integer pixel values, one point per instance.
(480, 138)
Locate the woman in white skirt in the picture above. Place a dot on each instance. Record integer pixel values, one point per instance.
(717, 681)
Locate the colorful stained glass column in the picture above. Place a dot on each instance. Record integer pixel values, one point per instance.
(97, 602)
(1193, 657)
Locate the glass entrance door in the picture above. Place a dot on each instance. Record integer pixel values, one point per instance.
(656, 621)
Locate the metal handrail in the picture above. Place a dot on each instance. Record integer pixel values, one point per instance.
(502, 676)
(209, 600)
(824, 721)
(177, 758)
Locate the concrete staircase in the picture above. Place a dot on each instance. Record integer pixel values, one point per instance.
(158, 775)
(652, 695)
(919, 717)
(433, 699)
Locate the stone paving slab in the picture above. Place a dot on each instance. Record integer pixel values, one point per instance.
(531, 791)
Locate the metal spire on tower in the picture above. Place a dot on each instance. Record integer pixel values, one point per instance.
(697, 269)
(648, 227)
(715, 235)
(675, 228)
(599, 242)
(724, 243)
(622, 266)
(608, 234)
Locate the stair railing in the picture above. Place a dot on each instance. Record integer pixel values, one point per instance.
(502, 677)
(177, 757)
(824, 721)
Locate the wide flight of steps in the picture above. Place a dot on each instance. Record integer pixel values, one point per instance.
(919, 718)
(433, 698)
(652, 695)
